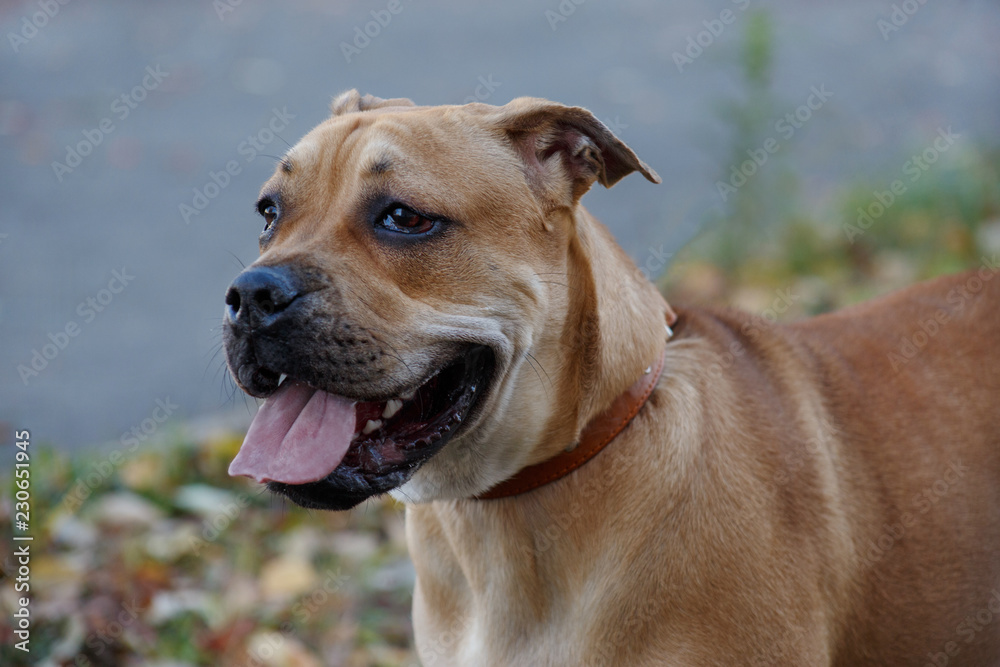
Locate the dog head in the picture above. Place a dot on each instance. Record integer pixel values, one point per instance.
(419, 299)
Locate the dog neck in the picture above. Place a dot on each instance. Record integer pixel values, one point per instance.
(603, 428)
(598, 433)
(615, 323)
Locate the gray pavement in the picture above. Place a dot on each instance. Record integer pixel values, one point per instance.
(111, 292)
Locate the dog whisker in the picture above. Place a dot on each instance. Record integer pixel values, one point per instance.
(238, 260)
(554, 282)
(536, 366)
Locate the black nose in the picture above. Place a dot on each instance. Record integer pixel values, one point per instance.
(259, 293)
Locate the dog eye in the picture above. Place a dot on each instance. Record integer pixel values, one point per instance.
(269, 211)
(403, 220)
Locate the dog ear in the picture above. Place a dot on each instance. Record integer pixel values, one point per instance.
(588, 151)
(351, 100)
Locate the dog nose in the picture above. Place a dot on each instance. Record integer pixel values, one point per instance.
(259, 293)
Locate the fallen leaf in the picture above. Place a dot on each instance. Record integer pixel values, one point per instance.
(287, 576)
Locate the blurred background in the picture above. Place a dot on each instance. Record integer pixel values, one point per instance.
(812, 154)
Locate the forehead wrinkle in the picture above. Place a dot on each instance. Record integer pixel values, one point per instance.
(346, 145)
(379, 167)
(378, 157)
(386, 135)
(381, 152)
(314, 148)
(329, 151)
(300, 151)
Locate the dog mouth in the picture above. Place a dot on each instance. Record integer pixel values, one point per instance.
(327, 451)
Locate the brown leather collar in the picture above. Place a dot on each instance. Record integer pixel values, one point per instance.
(601, 430)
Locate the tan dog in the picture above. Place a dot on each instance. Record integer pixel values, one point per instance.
(447, 314)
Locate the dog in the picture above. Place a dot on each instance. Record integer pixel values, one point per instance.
(592, 477)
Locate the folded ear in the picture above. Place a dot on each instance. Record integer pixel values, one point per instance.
(351, 100)
(556, 140)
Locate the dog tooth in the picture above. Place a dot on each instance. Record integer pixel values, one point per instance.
(392, 406)
(371, 426)
(281, 379)
(408, 395)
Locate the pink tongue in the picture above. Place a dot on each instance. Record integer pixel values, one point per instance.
(299, 435)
